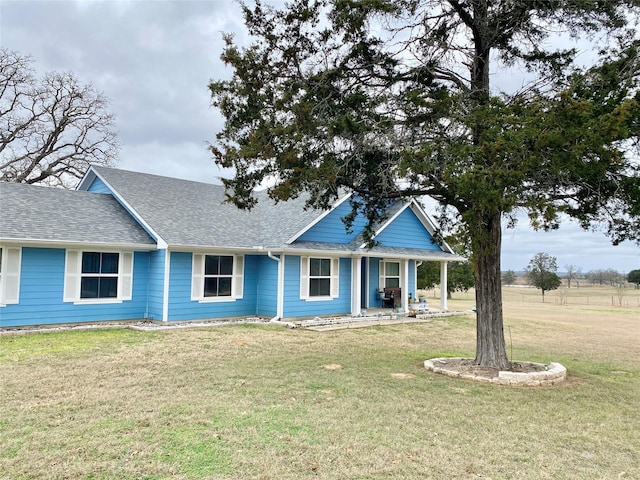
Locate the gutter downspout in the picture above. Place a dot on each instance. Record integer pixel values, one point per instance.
(280, 295)
(165, 285)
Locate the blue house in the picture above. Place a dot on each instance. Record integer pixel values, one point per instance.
(128, 246)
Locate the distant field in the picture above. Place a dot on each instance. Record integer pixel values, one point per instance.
(256, 402)
(597, 296)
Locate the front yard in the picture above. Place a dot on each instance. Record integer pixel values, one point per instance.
(261, 402)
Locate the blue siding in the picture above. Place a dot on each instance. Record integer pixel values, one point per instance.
(181, 307)
(155, 293)
(374, 279)
(98, 186)
(407, 231)
(295, 307)
(41, 291)
(267, 287)
(42, 284)
(332, 229)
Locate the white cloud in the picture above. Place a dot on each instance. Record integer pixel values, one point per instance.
(186, 160)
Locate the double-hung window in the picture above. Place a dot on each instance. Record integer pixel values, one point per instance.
(98, 277)
(319, 278)
(10, 265)
(217, 277)
(390, 274)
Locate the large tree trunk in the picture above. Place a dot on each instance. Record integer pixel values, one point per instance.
(490, 346)
(486, 233)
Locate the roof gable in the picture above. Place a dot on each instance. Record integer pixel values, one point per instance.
(98, 186)
(331, 228)
(406, 230)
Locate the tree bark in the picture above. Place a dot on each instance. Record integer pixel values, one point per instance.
(490, 344)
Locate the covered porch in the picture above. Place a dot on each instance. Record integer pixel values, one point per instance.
(388, 282)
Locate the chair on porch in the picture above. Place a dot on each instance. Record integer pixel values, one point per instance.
(392, 298)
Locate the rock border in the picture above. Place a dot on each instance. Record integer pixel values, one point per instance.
(551, 374)
(137, 325)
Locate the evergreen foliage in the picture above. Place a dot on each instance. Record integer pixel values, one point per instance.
(392, 99)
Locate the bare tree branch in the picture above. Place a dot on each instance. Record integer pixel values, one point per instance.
(51, 129)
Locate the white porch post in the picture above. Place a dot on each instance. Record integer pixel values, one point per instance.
(366, 285)
(405, 286)
(443, 286)
(356, 285)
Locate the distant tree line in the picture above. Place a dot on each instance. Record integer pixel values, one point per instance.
(541, 273)
(607, 276)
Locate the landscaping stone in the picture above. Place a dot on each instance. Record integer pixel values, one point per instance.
(535, 374)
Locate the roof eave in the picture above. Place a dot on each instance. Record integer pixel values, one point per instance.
(48, 243)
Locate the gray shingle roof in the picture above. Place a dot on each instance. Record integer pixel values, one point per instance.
(193, 214)
(187, 213)
(36, 213)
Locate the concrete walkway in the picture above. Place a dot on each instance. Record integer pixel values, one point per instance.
(373, 319)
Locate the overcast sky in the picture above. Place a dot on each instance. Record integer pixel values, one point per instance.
(154, 60)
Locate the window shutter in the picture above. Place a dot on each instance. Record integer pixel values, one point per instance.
(238, 277)
(11, 276)
(197, 277)
(335, 278)
(126, 275)
(72, 276)
(304, 278)
(381, 274)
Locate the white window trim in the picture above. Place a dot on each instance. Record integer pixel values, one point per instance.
(73, 277)
(11, 268)
(383, 272)
(305, 278)
(197, 279)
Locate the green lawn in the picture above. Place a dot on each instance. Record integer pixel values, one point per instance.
(257, 402)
